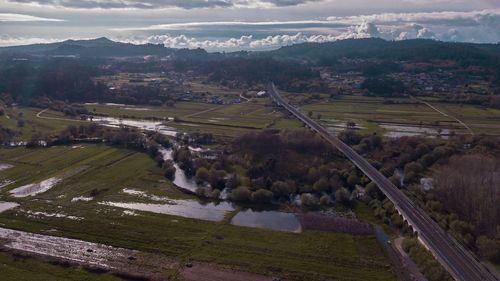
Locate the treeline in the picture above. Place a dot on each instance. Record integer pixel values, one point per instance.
(52, 80)
(418, 50)
(465, 195)
(59, 79)
(248, 71)
(384, 87)
(272, 166)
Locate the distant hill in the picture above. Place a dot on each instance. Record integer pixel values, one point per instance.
(411, 50)
(100, 47)
(319, 53)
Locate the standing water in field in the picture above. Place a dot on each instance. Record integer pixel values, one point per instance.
(43, 186)
(183, 208)
(4, 206)
(146, 125)
(4, 166)
(268, 219)
(35, 188)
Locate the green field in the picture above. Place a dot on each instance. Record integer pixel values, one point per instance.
(221, 120)
(371, 112)
(21, 268)
(33, 124)
(310, 255)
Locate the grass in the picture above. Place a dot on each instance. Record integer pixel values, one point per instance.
(18, 268)
(310, 255)
(224, 121)
(371, 112)
(33, 124)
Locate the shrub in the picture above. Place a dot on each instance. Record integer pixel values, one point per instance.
(262, 196)
(240, 194)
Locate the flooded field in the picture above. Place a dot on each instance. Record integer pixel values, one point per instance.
(43, 186)
(183, 208)
(396, 131)
(4, 166)
(84, 253)
(4, 206)
(147, 125)
(35, 188)
(268, 219)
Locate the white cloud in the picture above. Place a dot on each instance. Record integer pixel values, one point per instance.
(7, 17)
(490, 16)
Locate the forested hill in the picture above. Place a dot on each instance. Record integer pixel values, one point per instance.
(411, 50)
(322, 53)
(101, 47)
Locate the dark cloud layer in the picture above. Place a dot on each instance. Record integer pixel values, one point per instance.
(155, 4)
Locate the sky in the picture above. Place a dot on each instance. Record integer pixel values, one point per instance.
(230, 25)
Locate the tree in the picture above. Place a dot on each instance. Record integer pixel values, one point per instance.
(309, 200)
(240, 194)
(262, 196)
(342, 195)
(283, 189)
(321, 185)
(325, 200)
(216, 178)
(201, 175)
(352, 180)
(469, 186)
(169, 170)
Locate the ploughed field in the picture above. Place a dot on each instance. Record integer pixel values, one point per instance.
(73, 192)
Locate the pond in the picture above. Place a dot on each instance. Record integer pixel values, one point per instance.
(268, 219)
(183, 208)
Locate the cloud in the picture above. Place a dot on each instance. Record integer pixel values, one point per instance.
(245, 42)
(281, 3)
(6, 40)
(157, 4)
(488, 17)
(232, 24)
(6, 17)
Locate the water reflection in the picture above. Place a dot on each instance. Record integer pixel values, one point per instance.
(4, 206)
(180, 180)
(147, 125)
(268, 219)
(35, 188)
(396, 131)
(183, 208)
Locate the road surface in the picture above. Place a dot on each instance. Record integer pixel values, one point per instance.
(455, 258)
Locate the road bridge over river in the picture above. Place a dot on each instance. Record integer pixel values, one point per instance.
(453, 256)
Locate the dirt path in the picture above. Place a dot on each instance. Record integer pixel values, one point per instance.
(408, 263)
(201, 112)
(208, 272)
(246, 99)
(39, 115)
(445, 114)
